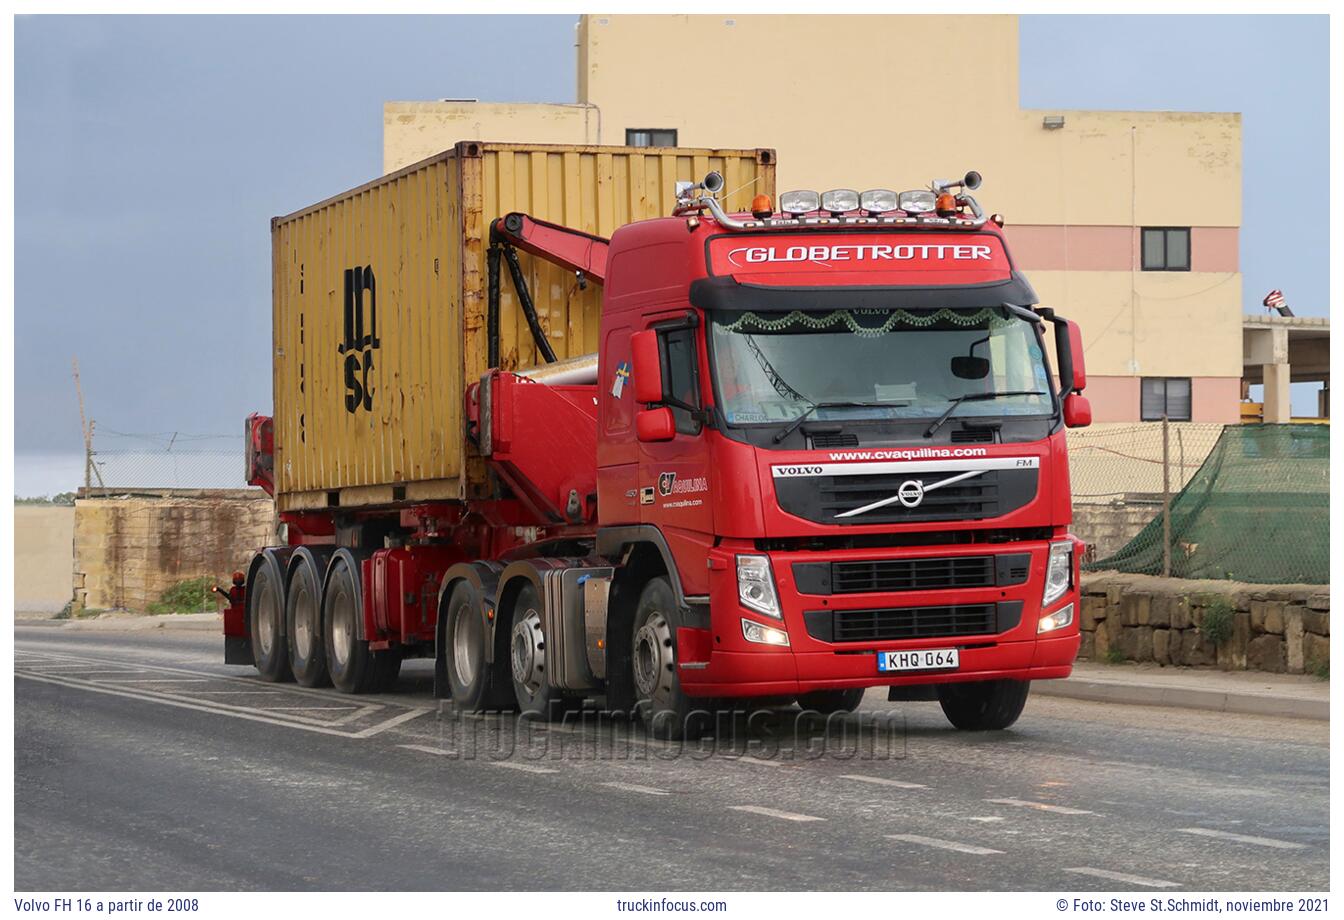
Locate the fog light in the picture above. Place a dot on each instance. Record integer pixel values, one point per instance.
(918, 201)
(877, 200)
(1057, 620)
(840, 200)
(799, 202)
(762, 634)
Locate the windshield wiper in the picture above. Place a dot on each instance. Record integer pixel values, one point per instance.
(823, 404)
(975, 397)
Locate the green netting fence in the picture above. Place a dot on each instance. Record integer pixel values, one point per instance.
(1256, 510)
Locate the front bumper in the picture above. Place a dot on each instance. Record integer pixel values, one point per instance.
(733, 667)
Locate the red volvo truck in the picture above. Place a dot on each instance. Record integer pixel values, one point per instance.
(820, 448)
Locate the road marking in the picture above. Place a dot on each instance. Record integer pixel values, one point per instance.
(985, 819)
(305, 708)
(1041, 806)
(772, 813)
(154, 680)
(635, 787)
(943, 844)
(524, 767)
(1122, 877)
(881, 781)
(428, 750)
(391, 723)
(755, 761)
(1243, 838)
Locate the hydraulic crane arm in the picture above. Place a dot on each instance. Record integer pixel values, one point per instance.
(571, 249)
(579, 252)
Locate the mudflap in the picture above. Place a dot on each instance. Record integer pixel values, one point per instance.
(238, 650)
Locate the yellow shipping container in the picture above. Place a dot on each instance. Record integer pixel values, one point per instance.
(380, 305)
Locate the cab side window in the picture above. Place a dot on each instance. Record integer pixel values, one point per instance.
(681, 378)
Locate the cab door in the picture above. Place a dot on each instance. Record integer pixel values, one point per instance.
(674, 481)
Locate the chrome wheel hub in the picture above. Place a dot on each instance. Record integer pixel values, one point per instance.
(468, 644)
(528, 653)
(654, 662)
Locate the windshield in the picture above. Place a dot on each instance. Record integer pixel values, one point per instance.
(895, 364)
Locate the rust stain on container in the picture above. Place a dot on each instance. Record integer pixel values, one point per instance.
(380, 302)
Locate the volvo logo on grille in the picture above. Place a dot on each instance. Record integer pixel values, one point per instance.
(911, 493)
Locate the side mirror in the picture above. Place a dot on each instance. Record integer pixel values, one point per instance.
(1077, 411)
(655, 424)
(1069, 351)
(969, 367)
(646, 367)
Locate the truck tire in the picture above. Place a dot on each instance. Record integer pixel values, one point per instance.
(349, 661)
(266, 611)
(527, 662)
(667, 712)
(981, 706)
(476, 685)
(831, 701)
(303, 621)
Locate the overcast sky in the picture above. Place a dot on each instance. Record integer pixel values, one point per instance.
(151, 152)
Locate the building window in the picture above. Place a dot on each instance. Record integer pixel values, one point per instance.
(1166, 249)
(650, 137)
(1169, 396)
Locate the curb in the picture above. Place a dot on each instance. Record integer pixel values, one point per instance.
(195, 622)
(1137, 694)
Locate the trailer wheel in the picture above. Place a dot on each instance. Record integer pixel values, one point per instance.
(830, 701)
(303, 617)
(349, 660)
(667, 712)
(266, 612)
(527, 661)
(475, 684)
(981, 706)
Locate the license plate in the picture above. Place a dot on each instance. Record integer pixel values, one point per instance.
(928, 659)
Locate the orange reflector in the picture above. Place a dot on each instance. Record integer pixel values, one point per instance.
(946, 205)
(761, 208)
(489, 614)
(601, 643)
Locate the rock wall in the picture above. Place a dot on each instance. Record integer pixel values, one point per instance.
(130, 549)
(1107, 528)
(1276, 628)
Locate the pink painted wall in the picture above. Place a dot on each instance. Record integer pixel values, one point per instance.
(1212, 399)
(1115, 249)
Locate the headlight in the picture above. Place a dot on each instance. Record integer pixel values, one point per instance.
(878, 200)
(756, 585)
(1058, 572)
(839, 200)
(1057, 620)
(918, 201)
(799, 202)
(762, 634)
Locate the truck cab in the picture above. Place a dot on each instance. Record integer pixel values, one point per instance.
(839, 426)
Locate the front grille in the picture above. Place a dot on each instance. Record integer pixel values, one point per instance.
(885, 625)
(822, 498)
(917, 574)
(912, 574)
(842, 439)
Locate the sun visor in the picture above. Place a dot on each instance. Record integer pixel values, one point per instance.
(727, 293)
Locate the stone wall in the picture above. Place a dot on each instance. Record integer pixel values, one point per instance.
(1107, 527)
(1277, 628)
(128, 550)
(43, 557)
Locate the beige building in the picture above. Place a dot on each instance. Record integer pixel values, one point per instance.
(1126, 222)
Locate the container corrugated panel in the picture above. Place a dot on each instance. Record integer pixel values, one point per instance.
(380, 305)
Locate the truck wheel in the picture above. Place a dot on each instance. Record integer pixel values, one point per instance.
(829, 701)
(982, 706)
(349, 661)
(527, 661)
(266, 612)
(476, 684)
(303, 618)
(667, 712)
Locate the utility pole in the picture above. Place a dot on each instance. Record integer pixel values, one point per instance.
(86, 425)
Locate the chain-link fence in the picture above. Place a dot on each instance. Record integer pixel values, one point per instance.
(153, 462)
(1242, 502)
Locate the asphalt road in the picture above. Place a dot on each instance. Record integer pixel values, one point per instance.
(142, 762)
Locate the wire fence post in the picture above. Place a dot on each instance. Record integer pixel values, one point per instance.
(1166, 497)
